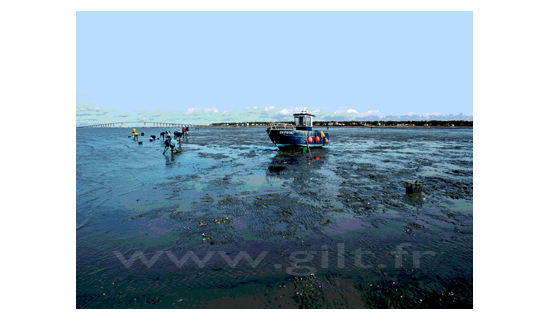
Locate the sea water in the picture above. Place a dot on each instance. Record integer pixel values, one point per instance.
(232, 222)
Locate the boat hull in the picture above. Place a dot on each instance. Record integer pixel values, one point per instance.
(296, 139)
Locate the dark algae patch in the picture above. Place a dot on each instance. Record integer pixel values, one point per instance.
(236, 223)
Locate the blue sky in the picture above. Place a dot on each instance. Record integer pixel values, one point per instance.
(231, 66)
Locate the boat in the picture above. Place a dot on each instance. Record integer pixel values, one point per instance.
(299, 135)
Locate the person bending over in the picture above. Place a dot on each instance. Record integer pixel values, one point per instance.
(169, 143)
(178, 135)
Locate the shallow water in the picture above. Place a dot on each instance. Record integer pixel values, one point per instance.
(300, 219)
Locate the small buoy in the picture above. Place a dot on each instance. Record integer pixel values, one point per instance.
(317, 139)
(309, 140)
(317, 158)
(143, 133)
(326, 140)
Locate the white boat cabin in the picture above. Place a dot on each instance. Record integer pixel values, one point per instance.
(303, 121)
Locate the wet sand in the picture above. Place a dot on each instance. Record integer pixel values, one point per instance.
(334, 230)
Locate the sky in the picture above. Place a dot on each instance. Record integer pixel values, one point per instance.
(204, 67)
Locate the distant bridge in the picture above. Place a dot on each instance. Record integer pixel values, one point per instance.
(144, 124)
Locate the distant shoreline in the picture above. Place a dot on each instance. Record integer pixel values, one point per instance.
(317, 124)
(264, 126)
(366, 127)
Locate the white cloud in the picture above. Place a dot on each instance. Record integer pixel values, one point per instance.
(431, 114)
(213, 109)
(89, 113)
(369, 113)
(191, 110)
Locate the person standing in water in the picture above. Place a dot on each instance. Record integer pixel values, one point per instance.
(169, 143)
(177, 135)
(135, 134)
(166, 145)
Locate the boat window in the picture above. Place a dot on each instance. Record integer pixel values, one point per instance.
(300, 121)
(308, 121)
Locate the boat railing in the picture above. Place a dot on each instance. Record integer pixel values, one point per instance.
(280, 126)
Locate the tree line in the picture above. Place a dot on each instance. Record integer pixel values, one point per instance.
(422, 123)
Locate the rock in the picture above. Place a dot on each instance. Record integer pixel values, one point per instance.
(412, 186)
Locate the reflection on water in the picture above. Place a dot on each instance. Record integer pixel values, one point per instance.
(293, 165)
(339, 213)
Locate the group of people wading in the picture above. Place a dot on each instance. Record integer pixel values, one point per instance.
(169, 142)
